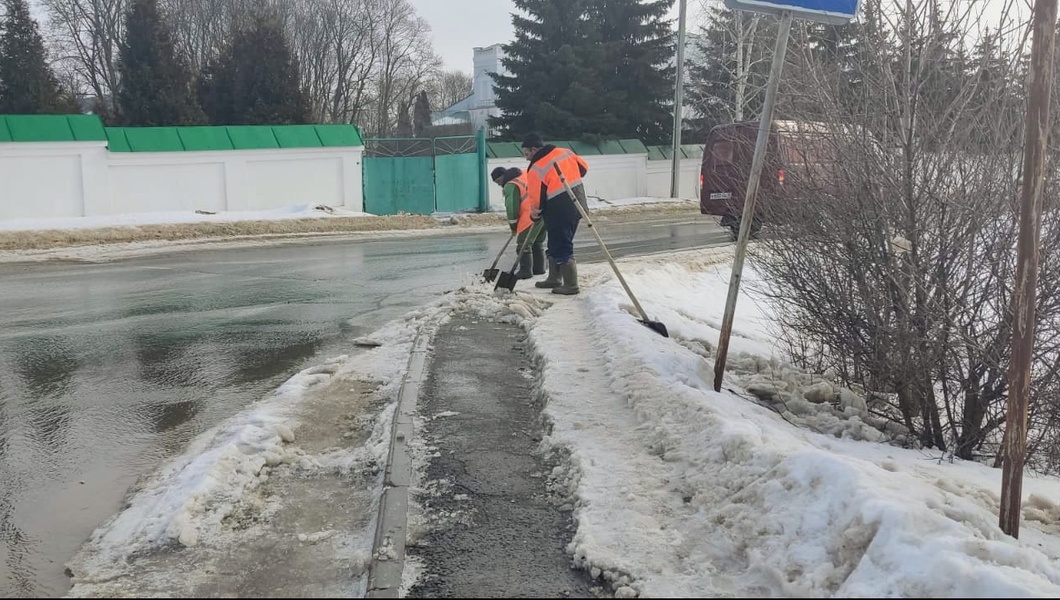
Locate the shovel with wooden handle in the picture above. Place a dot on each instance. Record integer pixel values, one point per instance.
(508, 279)
(655, 326)
(491, 273)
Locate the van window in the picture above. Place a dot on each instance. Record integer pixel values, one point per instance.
(722, 151)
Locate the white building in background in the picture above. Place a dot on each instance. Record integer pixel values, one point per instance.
(477, 108)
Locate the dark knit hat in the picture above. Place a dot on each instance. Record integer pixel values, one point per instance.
(533, 140)
(497, 173)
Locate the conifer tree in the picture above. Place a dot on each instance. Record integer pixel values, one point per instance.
(421, 117)
(27, 83)
(156, 87)
(588, 69)
(551, 87)
(255, 80)
(635, 64)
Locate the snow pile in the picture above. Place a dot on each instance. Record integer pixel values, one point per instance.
(683, 492)
(195, 499)
(190, 496)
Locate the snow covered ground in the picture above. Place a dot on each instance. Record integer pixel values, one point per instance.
(782, 485)
(182, 217)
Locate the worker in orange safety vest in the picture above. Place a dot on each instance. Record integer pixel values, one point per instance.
(520, 209)
(557, 208)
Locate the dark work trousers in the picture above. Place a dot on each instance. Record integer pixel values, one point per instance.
(561, 221)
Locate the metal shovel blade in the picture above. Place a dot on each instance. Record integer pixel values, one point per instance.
(657, 327)
(506, 281)
(490, 274)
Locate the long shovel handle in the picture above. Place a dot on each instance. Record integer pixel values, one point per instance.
(600, 241)
(534, 230)
(506, 244)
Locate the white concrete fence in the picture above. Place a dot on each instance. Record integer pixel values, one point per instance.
(83, 179)
(617, 176)
(76, 179)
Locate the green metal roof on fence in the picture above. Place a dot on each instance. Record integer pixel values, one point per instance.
(89, 128)
(666, 152)
(514, 149)
(51, 128)
(235, 137)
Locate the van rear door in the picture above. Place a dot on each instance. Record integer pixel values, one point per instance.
(723, 181)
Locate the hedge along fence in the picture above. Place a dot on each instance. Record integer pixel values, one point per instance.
(71, 166)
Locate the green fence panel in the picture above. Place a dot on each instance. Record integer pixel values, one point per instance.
(456, 180)
(401, 184)
(5, 134)
(656, 153)
(297, 136)
(153, 139)
(332, 136)
(116, 140)
(252, 137)
(87, 128)
(40, 128)
(204, 139)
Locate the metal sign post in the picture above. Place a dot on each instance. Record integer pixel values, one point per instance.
(675, 180)
(1024, 298)
(827, 11)
(747, 218)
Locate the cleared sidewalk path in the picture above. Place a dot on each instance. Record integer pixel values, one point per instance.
(495, 529)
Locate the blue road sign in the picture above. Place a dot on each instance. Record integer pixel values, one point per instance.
(836, 12)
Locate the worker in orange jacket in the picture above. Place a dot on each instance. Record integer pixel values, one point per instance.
(557, 207)
(520, 210)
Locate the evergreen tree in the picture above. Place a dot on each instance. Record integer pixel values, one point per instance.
(634, 60)
(421, 118)
(588, 69)
(156, 87)
(27, 84)
(255, 80)
(552, 86)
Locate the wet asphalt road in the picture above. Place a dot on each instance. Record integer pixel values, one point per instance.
(106, 370)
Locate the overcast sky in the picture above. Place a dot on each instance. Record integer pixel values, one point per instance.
(459, 26)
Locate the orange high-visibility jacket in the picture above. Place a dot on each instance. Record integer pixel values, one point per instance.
(526, 202)
(543, 173)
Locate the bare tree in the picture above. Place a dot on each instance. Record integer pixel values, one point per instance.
(334, 40)
(892, 253)
(406, 60)
(449, 87)
(727, 83)
(87, 34)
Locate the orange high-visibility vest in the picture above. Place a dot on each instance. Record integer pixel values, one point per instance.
(526, 204)
(570, 164)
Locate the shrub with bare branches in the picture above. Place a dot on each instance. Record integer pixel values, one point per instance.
(892, 251)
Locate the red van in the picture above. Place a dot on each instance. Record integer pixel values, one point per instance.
(726, 168)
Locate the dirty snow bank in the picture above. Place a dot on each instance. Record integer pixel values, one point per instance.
(684, 492)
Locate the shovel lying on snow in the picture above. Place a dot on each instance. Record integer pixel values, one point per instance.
(491, 273)
(508, 279)
(655, 326)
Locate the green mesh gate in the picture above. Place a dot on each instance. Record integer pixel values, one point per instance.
(425, 176)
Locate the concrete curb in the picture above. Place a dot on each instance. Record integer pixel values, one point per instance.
(388, 552)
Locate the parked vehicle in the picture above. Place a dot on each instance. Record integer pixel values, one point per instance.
(793, 151)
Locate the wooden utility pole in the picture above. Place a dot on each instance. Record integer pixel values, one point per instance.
(1024, 297)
